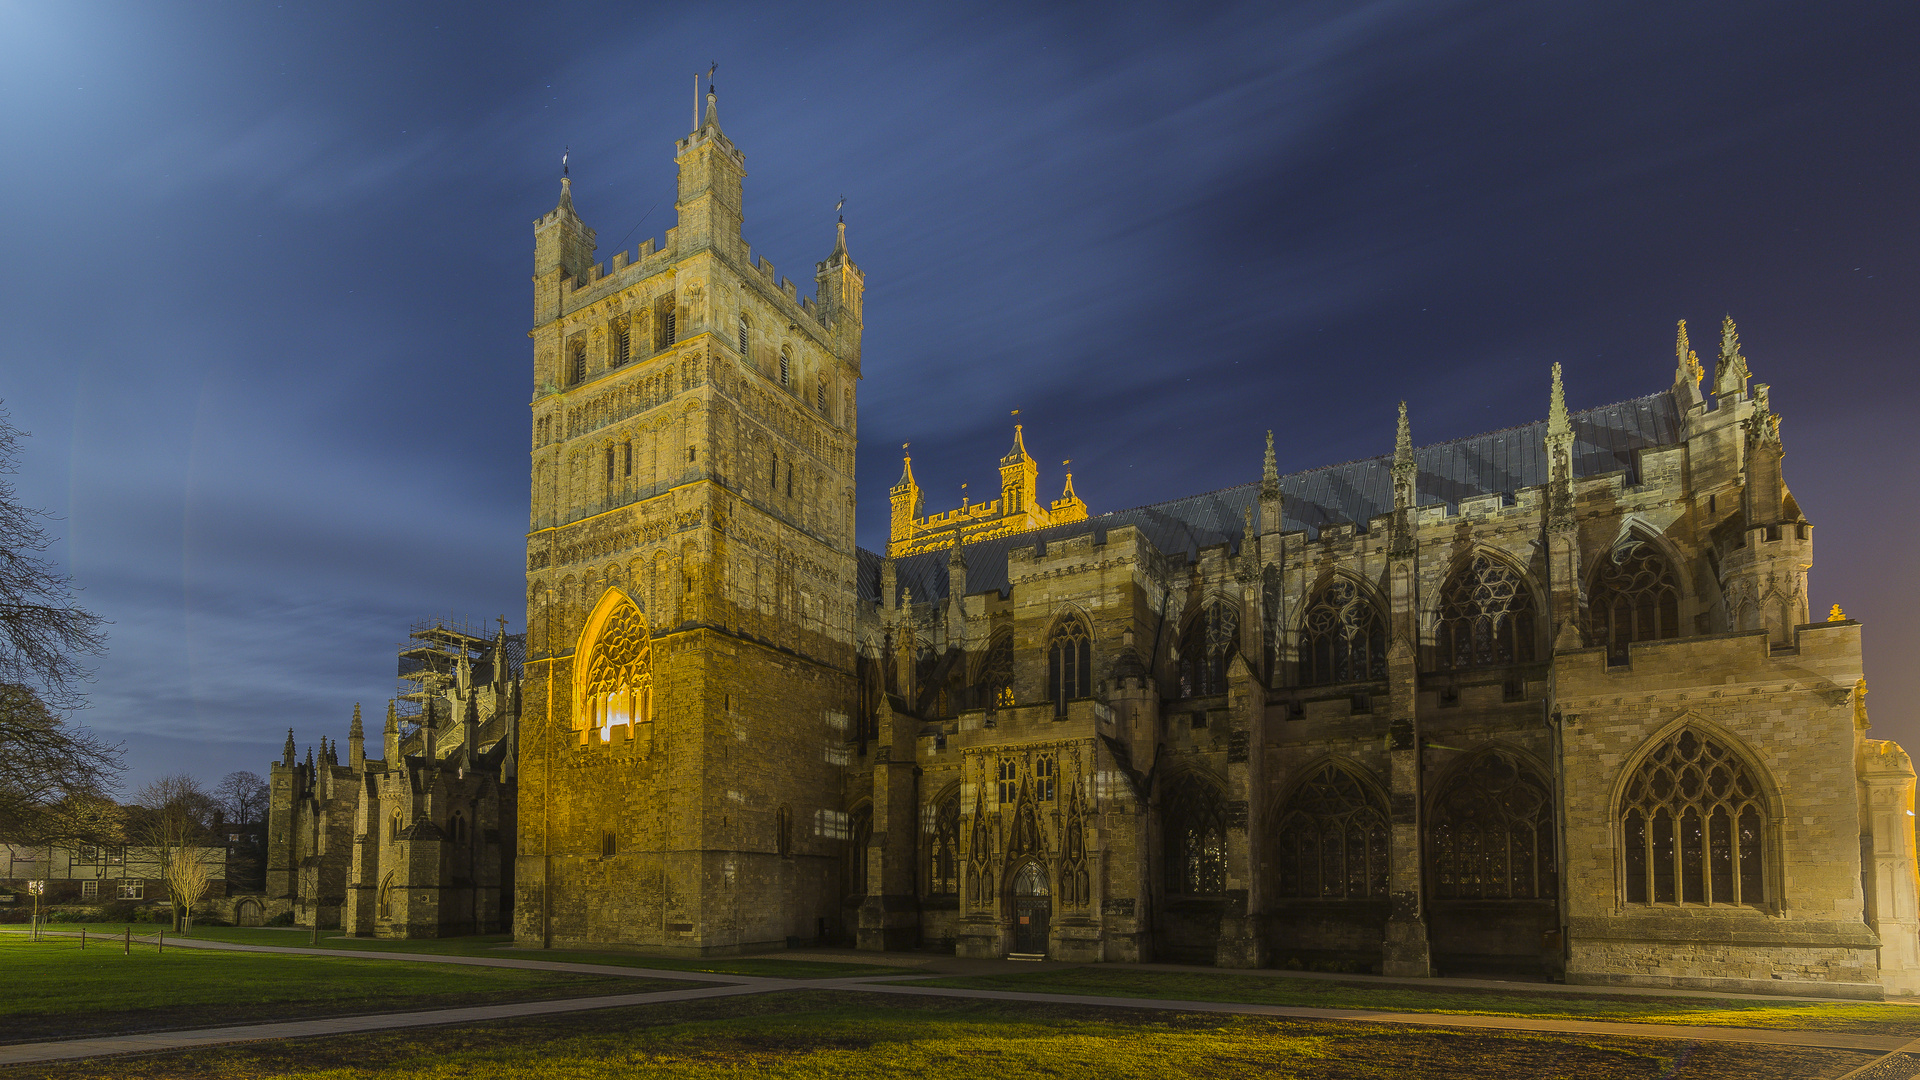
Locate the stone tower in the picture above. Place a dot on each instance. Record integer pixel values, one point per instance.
(690, 581)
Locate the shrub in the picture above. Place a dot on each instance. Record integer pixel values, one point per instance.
(285, 918)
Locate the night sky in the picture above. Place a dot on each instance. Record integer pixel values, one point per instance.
(264, 279)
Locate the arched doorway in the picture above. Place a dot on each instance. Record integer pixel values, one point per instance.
(248, 913)
(1032, 910)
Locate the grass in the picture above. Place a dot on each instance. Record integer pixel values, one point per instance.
(502, 945)
(1872, 1018)
(842, 1036)
(55, 989)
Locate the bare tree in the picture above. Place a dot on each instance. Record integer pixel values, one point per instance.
(187, 879)
(44, 634)
(45, 760)
(171, 815)
(53, 774)
(243, 795)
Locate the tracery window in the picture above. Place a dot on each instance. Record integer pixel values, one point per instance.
(1486, 617)
(1043, 779)
(1210, 641)
(995, 684)
(1069, 664)
(1634, 597)
(1194, 820)
(1009, 782)
(943, 864)
(1344, 638)
(1693, 826)
(618, 688)
(1331, 842)
(1491, 836)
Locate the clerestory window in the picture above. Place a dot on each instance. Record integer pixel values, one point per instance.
(1344, 638)
(1486, 617)
(1634, 597)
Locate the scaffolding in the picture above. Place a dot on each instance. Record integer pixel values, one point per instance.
(432, 653)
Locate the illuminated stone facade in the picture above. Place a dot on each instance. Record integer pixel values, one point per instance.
(1545, 699)
(418, 842)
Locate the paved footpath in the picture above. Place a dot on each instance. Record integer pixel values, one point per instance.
(722, 985)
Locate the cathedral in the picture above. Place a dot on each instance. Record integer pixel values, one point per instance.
(1548, 700)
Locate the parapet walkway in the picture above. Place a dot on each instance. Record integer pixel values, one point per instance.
(1896, 1048)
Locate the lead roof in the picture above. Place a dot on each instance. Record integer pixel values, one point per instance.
(1607, 439)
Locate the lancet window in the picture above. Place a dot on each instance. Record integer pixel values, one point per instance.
(861, 833)
(664, 324)
(786, 365)
(743, 338)
(943, 864)
(577, 363)
(1634, 597)
(994, 687)
(1486, 617)
(1344, 638)
(1069, 664)
(1210, 641)
(622, 342)
(1491, 834)
(618, 688)
(1331, 843)
(1693, 826)
(1194, 822)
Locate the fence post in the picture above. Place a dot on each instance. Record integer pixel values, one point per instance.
(83, 937)
(128, 944)
(160, 940)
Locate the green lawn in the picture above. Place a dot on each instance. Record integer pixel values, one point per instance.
(843, 1036)
(53, 988)
(1872, 1018)
(502, 945)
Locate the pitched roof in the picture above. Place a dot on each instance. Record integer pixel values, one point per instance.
(1607, 439)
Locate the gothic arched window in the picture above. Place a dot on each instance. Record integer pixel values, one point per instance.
(617, 689)
(1069, 666)
(1491, 835)
(1344, 639)
(622, 342)
(943, 863)
(576, 363)
(786, 365)
(1332, 839)
(1634, 597)
(743, 337)
(1194, 826)
(1486, 617)
(1210, 641)
(664, 324)
(1693, 826)
(994, 687)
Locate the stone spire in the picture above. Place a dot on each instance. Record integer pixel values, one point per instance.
(1559, 442)
(391, 737)
(288, 758)
(1687, 371)
(1269, 495)
(713, 113)
(1730, 375)
(356, 742)
(1406, 475)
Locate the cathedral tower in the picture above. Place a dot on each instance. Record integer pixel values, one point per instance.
(690, 581)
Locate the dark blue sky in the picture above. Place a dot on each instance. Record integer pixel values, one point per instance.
(265, 286)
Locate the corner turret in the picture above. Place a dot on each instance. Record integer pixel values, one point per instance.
(708, 198)
(1019, 476)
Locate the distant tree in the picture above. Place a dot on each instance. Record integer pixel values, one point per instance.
(170, 816)
(46, 761)
(243, 795)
